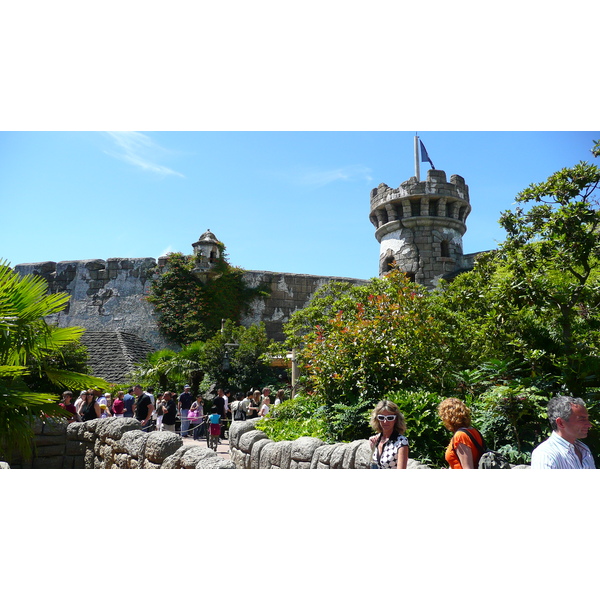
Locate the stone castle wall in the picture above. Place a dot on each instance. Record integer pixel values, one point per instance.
(109, 295)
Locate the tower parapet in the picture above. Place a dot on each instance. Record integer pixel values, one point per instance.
(420, 224)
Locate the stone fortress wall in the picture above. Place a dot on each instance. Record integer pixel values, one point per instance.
(109, 295)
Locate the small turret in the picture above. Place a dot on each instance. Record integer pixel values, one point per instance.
(207, 251)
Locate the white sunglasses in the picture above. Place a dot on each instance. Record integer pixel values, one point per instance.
(386, 417)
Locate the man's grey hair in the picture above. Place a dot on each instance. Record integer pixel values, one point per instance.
(560, 406)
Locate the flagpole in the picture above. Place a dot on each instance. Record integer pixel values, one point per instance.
(417, 170)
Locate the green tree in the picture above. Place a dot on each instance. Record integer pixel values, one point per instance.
(247, 350)
(552, 252)
(190, 309)
(27, 347)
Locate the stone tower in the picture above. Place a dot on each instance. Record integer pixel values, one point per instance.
(419, 226)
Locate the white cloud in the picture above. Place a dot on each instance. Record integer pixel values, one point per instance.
(167, 250)
(139, 150)
(320, 178)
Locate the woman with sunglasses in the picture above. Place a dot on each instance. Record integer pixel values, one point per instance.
(90, 409)
(390, 447)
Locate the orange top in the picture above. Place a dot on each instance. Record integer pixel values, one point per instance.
(460, 437)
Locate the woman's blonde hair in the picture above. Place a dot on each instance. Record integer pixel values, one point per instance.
(399, 423)
(454, 413)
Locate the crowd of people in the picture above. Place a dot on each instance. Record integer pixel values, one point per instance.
(568, 418)
(564, 449)
(163, 411)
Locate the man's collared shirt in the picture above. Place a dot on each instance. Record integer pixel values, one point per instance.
(558, 453)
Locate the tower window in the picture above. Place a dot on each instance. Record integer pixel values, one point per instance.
(433, 208)
(449, 209)
(415, 208)
(445, 249)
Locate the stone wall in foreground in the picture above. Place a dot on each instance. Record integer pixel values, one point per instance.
(250, 448)
(113, 443)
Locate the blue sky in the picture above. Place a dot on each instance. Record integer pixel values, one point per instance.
(280, 201)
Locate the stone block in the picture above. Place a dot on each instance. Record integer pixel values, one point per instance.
(150, 465)
(362, 458)
(121, 461)
(350, 454)
(247, 440)
(162, 444)
(75, 431)
(55, 427)
(45, 451)
(303, 448)
(237, 457)
(238, 428)
(174, 461)
(48, 462)
(190, 459)
(278, 454)
(49, 440)
(322, 455)
(133, 442)
(257, 451)
(337, 456)
(215, 462)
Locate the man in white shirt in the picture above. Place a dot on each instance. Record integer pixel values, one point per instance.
(569, 419)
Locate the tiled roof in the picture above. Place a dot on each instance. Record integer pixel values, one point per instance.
(114, 354)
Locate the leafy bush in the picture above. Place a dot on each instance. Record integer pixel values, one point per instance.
(297, 417)
(512, 417)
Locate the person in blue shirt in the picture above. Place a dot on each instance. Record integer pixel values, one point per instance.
(214, 421)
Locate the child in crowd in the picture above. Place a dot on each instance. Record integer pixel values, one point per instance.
(214, 420)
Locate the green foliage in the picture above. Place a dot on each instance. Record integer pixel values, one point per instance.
(426, 434)
(294, 418)
(72, 358)
(385, 339)
(200, 364)
(31, 358)
(512, 417)
(247, 349)
(552, 252)
(189, 309)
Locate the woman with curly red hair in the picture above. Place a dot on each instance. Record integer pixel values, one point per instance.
(464, 450)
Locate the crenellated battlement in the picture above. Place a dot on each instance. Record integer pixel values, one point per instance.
(434, 197)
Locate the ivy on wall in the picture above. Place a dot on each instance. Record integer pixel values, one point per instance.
(189, 309)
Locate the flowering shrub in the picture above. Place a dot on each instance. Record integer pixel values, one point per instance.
(390, 341)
